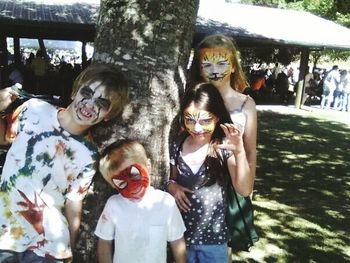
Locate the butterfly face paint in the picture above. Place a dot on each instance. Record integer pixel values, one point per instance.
(91, 103)
(215, 64)
(199, 122)
(132, 182)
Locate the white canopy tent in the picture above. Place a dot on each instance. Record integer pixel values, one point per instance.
(272, 26)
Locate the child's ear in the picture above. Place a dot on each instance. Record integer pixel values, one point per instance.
(149, 165)
(107, 118)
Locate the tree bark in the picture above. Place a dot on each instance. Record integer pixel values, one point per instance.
(150, 41)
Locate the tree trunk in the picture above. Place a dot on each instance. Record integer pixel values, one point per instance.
(150, 41)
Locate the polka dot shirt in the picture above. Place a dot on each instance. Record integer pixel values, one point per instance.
(205, 222)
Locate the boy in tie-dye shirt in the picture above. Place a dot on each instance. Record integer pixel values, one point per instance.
(50, 165)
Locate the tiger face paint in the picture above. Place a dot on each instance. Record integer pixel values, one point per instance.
(199, 122)
(215, 64)
(131, 182)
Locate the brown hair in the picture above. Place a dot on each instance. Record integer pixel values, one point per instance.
(238, 79)
(113, 79)
(117, 153)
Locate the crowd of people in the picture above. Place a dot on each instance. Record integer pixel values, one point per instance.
(329, 89)
(45, 74)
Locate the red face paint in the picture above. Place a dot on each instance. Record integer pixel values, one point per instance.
(132, 182)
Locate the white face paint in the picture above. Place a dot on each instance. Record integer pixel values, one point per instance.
(91, 104)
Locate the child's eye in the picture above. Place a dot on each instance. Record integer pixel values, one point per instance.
(223, 63)
(190, 121)
(205, 121)
(103, 103)
(134, 174)
(86, 92)
(121, 184)
(206, 65)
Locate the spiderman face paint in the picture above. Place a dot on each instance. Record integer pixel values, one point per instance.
(91, 103)
(132, 182)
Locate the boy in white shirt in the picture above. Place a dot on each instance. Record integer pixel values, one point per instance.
(140, 219)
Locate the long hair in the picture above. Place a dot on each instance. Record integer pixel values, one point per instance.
(208, 98)
(238, 80)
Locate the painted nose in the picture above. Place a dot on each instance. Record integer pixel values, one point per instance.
(90, 103)
(215, 69)
(198, 127)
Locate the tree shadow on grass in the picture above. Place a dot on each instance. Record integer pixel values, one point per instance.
(302, 190)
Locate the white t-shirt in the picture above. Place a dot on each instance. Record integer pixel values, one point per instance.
(141, 229)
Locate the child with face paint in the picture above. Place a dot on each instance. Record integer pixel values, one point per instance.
(199, 179)
(50, 165)
(140, 219)
(216, 60)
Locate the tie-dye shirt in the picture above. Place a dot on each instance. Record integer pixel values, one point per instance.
(44, 167)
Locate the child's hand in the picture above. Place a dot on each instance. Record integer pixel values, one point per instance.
(234, 141)
(179, 193)
(7, 96)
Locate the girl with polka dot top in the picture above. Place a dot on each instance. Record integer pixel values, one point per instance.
(198, 179)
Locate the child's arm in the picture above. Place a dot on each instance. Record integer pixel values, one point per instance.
(105, 251)
(178, 247)
(7, 96)
(178, 191)
(73, 211)
(238, 166)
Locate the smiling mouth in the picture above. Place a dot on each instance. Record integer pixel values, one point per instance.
(84, 113)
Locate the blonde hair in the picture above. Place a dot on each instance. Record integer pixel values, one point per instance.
(117, 153)
(114, 80)
(238, 79)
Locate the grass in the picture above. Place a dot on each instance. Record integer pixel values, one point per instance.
(302, 190)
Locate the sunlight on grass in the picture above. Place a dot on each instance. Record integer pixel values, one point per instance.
(302, 189)
(280, 223)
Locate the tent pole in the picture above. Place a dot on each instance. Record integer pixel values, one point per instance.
(304, 62)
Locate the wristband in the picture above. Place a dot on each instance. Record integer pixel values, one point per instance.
(170, 181)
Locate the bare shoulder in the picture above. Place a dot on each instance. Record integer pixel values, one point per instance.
(250, 104)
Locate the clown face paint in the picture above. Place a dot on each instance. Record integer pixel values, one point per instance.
(199, 122)
(215, 64)
(91, 103)
(131, 182)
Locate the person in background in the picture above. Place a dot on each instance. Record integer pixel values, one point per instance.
(50, 164)
(16, 74)
(330, 84)
(136, 223)
(339, 91)
(346, 90)
(40, 66)
(308, 80)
